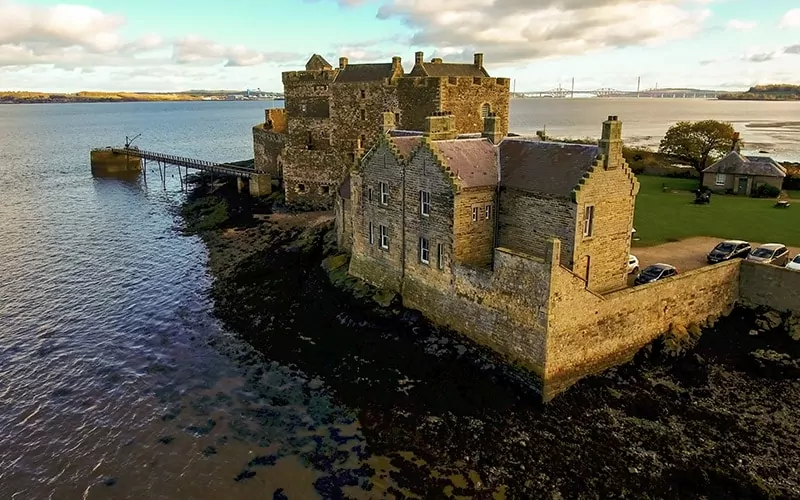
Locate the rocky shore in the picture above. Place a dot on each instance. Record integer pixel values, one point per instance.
(712, 414)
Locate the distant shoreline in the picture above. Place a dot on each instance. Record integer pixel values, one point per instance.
(106, 97)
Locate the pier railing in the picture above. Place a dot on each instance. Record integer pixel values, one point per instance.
(181, 161)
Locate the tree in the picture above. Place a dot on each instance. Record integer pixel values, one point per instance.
(698, 143)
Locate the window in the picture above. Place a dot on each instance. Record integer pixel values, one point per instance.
(371, 234)
(424, 251)
(384, 235)
(476, 81)
(363, 114)
(301, 188)
(588, 221)
(369, 194)
(452, 80)
(488, 212)
(425, 202)
(310, 141)
(720, 179)
(384, 188)
(362, 141)
(474, 214)
(440, 255)
(363, 93)
(324, 190)
(397, 119)
(485, 110)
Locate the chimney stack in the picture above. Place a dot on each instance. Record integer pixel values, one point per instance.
(440, 126)
(479, 61)
(611, 143)
(342, 62)
(491, 128)
(418, 58)
(735, 145)
(388, 121)
(436, 60)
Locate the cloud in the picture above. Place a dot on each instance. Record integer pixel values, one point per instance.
(72, 36)
(791, 19)
(522, 30)
(759, 57)
(792, 49)
(735, 24)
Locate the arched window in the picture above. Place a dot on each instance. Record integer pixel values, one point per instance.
(485, 110)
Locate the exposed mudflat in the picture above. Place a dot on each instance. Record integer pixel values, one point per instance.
(449, 419)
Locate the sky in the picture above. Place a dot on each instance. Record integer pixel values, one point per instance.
(174, 45)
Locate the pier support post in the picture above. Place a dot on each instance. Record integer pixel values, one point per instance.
(260, 185)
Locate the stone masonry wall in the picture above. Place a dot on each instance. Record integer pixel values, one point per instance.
(588, 333)
(268, 147)
(370, 262)
(422, 173)
(417, 98)
(769, 286)
(529, 221)
(347, 104)
(504, 310)
(474, 240)
(612, 193)
(465, 97)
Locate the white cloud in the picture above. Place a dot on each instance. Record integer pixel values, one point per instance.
(735, 24)
(521, 30)
(791, 19)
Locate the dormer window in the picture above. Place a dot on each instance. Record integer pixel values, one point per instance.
(363, 93)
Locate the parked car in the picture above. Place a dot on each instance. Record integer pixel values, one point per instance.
(654, 273)
(771, 253)
(729, 249)
(794, 264)
(633, 264)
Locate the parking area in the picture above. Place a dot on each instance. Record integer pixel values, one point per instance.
(686, 254)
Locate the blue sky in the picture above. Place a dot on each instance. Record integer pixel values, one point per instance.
(158, 45)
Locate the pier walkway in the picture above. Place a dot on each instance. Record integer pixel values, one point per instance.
(180, 161)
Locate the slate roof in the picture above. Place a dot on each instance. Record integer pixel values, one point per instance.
(544, 167)
(365, 72)
(406, 144)
(448, 69)
(738, 164)
(473, 160)
(344, 188)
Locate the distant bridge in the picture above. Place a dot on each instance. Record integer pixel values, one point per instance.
(561, 92)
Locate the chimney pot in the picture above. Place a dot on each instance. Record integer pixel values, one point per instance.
(479, 60)
(418, 57)
(342, 62)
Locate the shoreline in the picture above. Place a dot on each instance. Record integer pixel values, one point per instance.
(706, 414)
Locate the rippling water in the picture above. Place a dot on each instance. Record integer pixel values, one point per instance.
(111, 370)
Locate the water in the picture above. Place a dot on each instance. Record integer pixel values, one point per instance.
(115, 380)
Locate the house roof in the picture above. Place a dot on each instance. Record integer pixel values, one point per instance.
(365, 72)
(474, 161)
(545, 167)
(736, 163)
(406, 144)
(447, 69)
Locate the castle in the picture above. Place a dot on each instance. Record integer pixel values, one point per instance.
(332, 116)
(517, 243)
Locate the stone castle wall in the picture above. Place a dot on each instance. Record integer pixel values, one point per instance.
(466, 96)
(529, 221)
(357, 113)
(588, 333)
(474, 238)
(769, 286)
(268, 147)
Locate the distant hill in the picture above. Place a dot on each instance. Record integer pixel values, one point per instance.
(779, 92)
(58, 97)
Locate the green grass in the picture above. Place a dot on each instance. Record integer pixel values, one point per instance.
(672, 216)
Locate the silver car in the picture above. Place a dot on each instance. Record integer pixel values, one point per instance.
(771, 253)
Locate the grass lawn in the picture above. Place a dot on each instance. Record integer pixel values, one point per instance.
(663, 217)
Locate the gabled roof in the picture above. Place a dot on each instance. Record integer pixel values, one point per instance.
(544, 167)
(447, 69)
(738, 164)
(406, 144)
(365, 72)
(317, 63)
(474, 161)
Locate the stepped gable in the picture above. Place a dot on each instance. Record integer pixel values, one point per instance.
(550, 168)
(353, 73)
(473, 161)
(406, 144)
